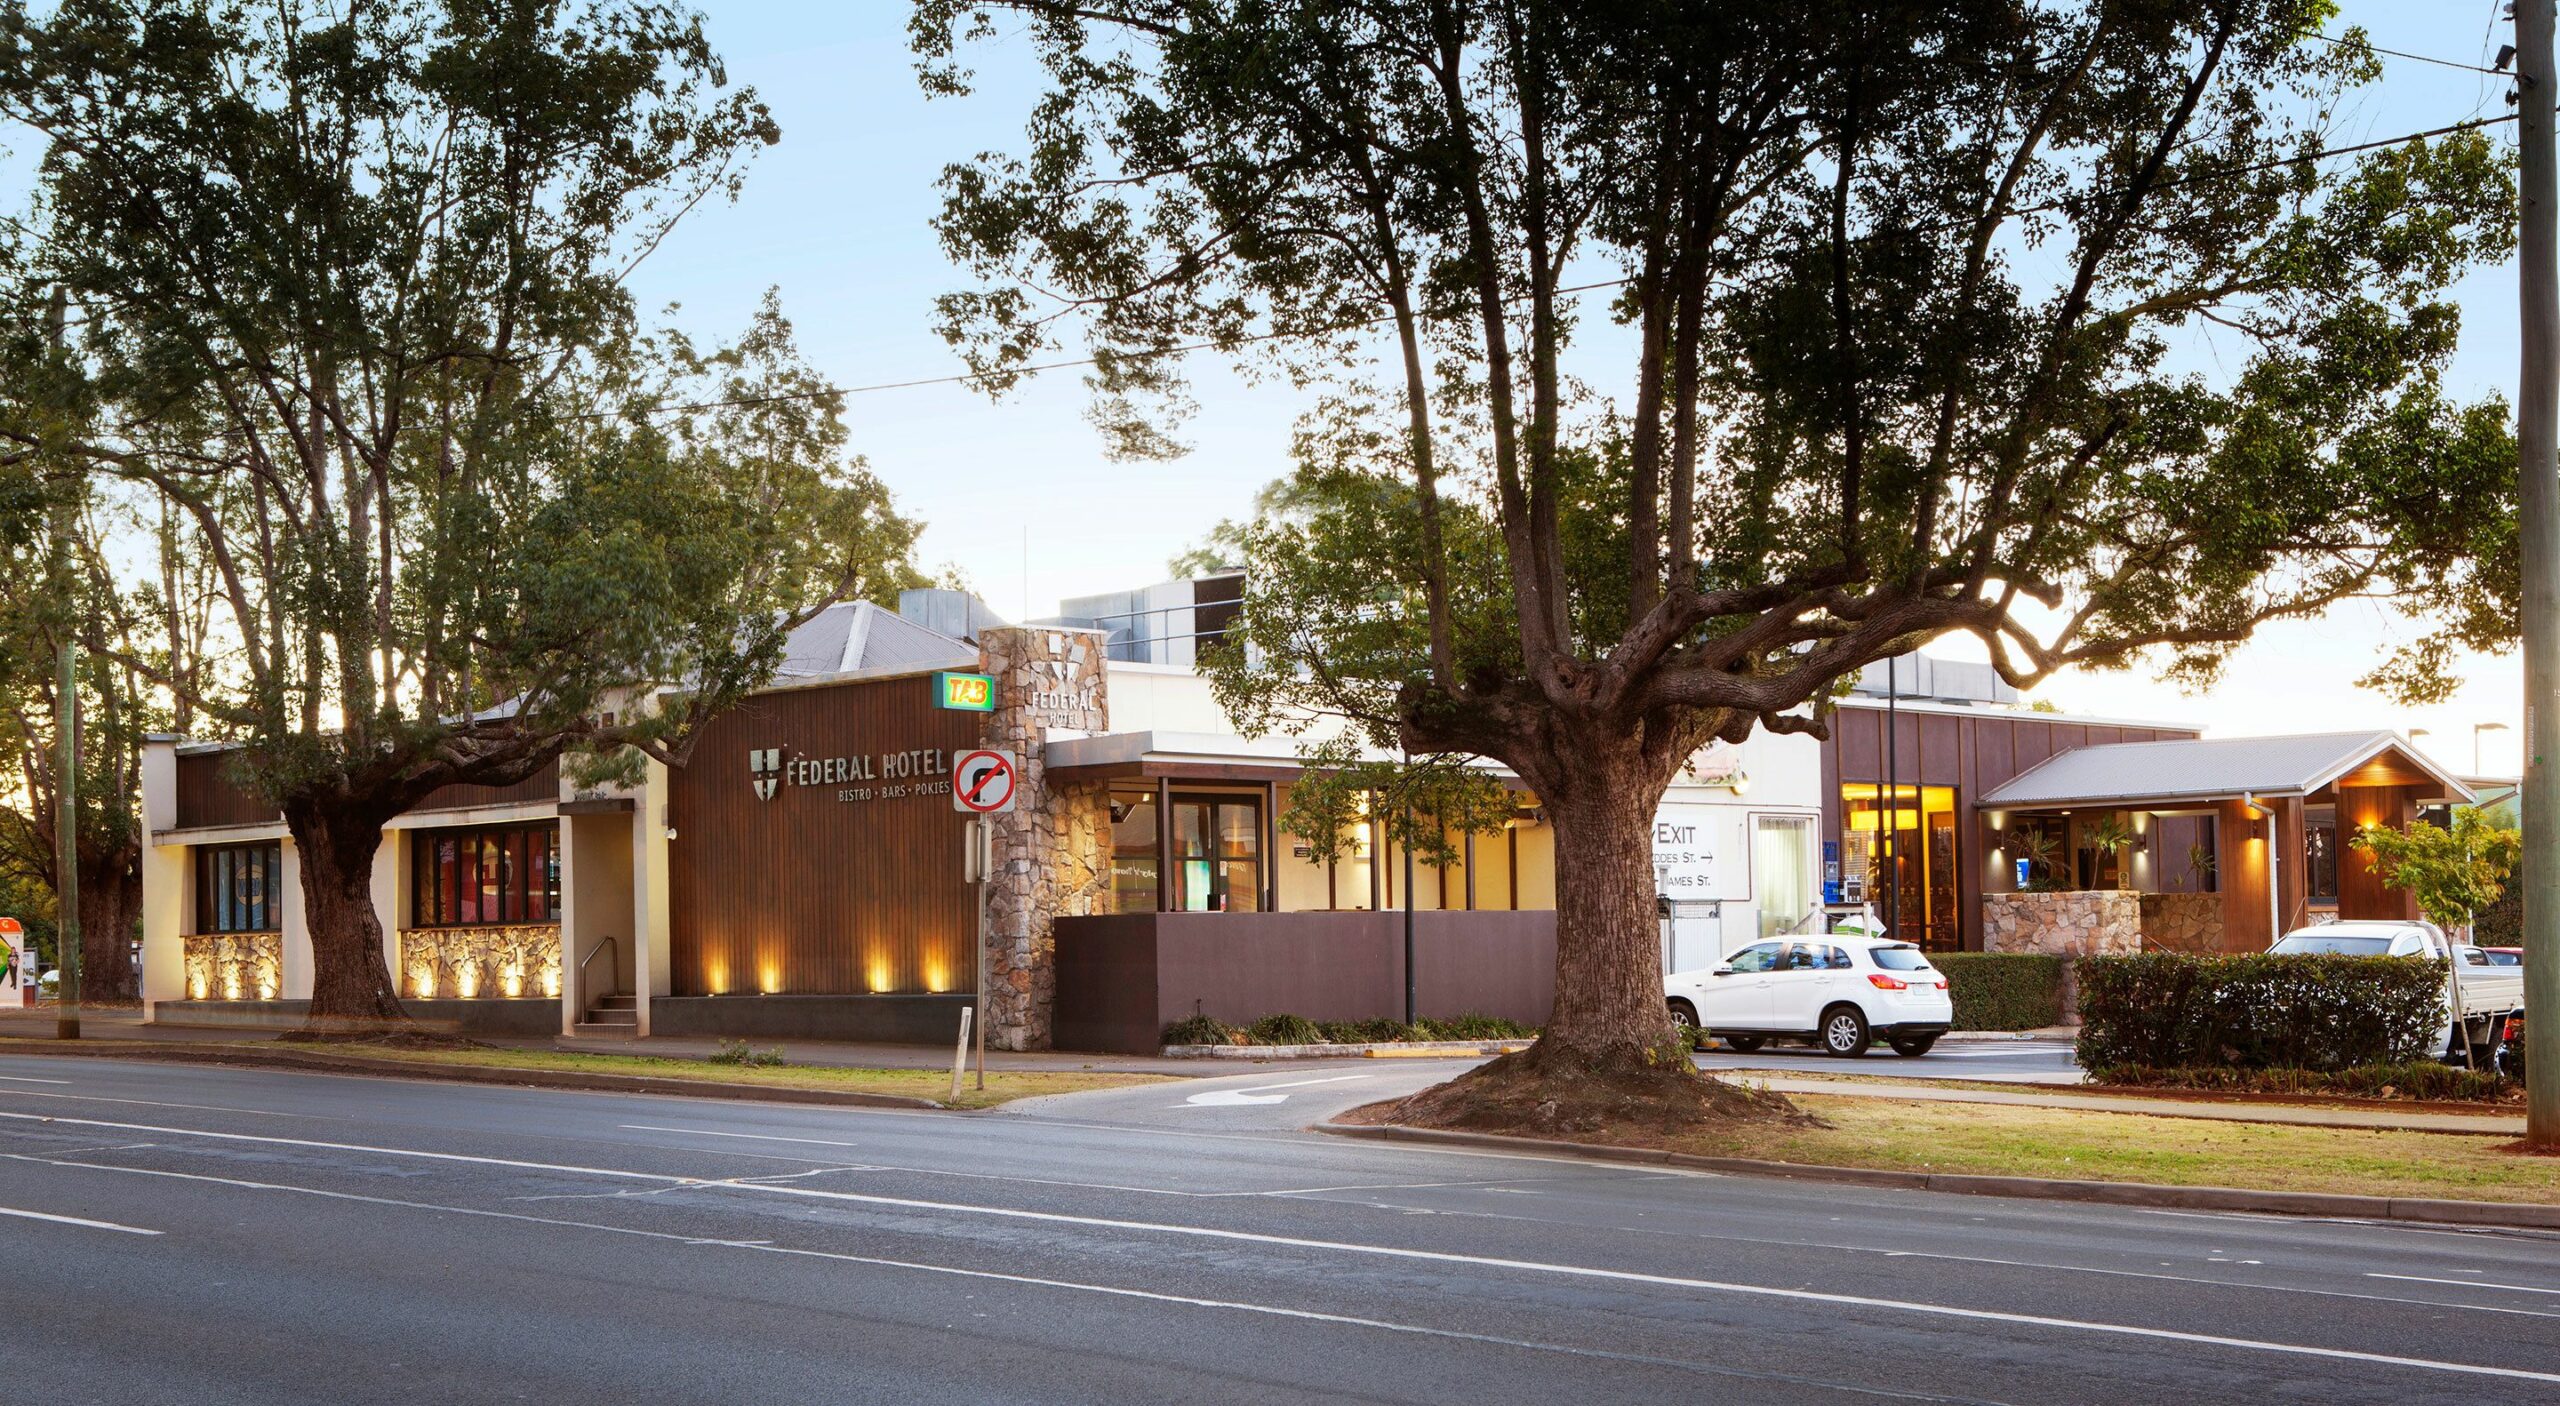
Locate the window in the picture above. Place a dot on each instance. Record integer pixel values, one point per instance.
(1135, 865)
(1217, 848)
(240, 888)
(1758, 957)
(1782, 872)
(1899, 852)
(2320, 858)
(490, 877)
(1837, 959)
(1905, 958)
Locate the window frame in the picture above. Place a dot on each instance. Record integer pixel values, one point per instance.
(523, 869)
(207, 860)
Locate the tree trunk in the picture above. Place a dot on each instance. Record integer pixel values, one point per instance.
(110, 913)
(1609, 1007)
(1610, 1057)
(351, 990)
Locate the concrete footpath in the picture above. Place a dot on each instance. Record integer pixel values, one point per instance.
(2308, 1115)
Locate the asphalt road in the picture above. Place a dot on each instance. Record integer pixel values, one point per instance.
(2000, 1061)
(189, 1234)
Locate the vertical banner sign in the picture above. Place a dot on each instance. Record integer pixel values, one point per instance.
(17, 965)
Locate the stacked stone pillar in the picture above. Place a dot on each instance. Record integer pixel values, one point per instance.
(1053, 850)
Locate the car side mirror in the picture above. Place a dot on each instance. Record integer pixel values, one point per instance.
(1725, 970)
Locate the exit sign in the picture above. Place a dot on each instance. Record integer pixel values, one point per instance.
(970, 693)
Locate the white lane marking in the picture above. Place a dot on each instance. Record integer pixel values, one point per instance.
(22, 1079)
(751, 1137)
(156, 1103)
(75, 1220)
(2466, 1283)
(1229, 1098)
(1395, 1252)
(1074, 1286)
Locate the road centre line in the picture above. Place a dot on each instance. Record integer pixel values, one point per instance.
(752, 1137)
(76, 1220)
(156, 1103)
(1074, 1286)
(23, 1079)
(2464, 1283)
(1569, 1271)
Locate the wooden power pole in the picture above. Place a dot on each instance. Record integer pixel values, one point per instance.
(2538, 494)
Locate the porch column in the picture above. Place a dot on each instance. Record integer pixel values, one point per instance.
(1053, 849)
(2241, 846)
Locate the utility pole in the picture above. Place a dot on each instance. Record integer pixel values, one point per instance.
(2538, 494)
(66, 736)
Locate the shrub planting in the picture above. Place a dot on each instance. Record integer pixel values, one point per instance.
(2172, 1010)
(1285, 1029)
(1379, 1030)
(2002, 990)
(1199, 1030)
(2419, 1079)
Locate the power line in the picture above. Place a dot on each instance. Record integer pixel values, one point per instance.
(2370, 46)
(1185, 349)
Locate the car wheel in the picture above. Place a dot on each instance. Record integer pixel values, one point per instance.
(1844, 1032)
(1914, 1046)
(1745, 1044)
(1685, 1016)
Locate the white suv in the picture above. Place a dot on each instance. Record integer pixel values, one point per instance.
(1840, 991)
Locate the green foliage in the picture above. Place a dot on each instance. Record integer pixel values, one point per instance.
(1285, 1029)
(2453, 872)
(1474, 1026)
(1426, 804)
(1874, 390)
(2002, 990)
(2167, 1010)
(1199, 1030)
(2417, 1079)
(739, 1052)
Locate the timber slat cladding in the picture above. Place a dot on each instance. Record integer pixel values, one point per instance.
(811, 891)
(543, 785)
(208, 796)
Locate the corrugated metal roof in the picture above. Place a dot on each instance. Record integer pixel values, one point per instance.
(2202, 769)
(857, 636)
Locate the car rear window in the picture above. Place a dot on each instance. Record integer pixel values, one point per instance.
(2312, 942)
(1905, 958)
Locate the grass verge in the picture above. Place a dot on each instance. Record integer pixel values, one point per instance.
(2068, 1144)
(1003, 1086)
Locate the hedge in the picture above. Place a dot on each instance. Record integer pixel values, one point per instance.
(2002, 990)
(2174, 1010)
(2419, 1079)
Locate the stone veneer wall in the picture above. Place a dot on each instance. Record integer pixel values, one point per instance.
(1053, 850)
(2082, 923)
(2182, 922)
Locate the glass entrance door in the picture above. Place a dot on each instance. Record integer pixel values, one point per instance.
(1217, 847)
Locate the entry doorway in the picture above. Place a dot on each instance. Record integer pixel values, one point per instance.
(1217, 850)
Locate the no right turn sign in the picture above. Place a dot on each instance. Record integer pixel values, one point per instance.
(984, 782)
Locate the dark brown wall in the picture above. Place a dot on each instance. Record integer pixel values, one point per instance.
(1972, 753)
(1123, 978)
(207, 795)
(543, 785)
(808, 893)
(2361, 892)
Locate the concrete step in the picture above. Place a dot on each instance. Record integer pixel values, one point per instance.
(617, 1003)
(626, 1018)
(592, 1030)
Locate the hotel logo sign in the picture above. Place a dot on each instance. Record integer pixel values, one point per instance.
(765, 765)
(876, 776)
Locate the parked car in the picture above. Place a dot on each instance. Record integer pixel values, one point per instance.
(1839, 992)
(2505, 956)
(2484, 1001)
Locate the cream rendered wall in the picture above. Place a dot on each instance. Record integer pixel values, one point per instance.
(652, 957)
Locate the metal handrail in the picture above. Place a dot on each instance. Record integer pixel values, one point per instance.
(586, 1002)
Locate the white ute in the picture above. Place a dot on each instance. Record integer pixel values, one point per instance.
(1841, 991)
(2483, 1001)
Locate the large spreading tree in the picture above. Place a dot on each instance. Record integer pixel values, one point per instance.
(348, 297)
(1680, 359)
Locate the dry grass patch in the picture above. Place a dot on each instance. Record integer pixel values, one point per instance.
(1003, 1086)
(2005, 1140)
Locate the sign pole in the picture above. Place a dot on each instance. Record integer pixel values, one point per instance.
(2538, 525)
(66, 771)
(986, 842)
